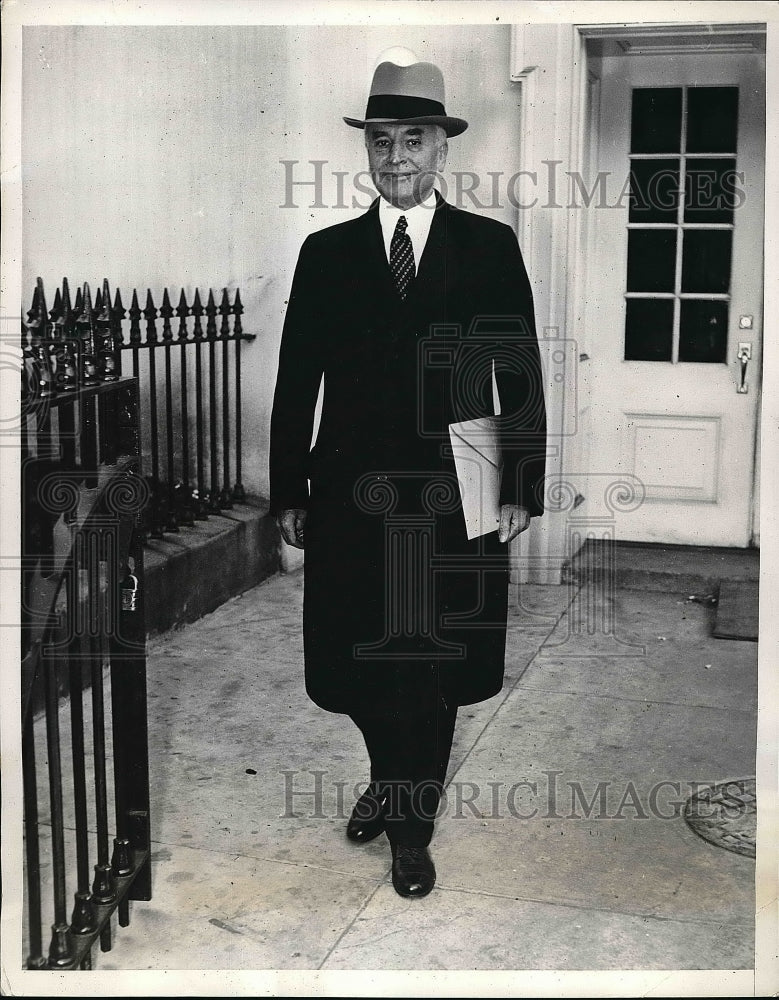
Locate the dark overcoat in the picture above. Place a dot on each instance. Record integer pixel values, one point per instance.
(398, 602)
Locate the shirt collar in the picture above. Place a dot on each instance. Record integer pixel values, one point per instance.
(390, 211)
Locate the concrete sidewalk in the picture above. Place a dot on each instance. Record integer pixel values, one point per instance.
(561, 846)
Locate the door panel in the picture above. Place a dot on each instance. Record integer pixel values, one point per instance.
(676, 458)
(674, 285)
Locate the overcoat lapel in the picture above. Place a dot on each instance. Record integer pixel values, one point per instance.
(371, 259)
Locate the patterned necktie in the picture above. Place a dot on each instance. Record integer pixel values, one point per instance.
(402, 257)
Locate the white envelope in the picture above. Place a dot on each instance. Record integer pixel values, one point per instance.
(478, 463)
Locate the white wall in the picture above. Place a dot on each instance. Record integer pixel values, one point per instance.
(152, 156)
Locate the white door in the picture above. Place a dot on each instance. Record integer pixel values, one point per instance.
(674, 287)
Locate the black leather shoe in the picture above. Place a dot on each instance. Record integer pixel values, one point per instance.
(367, 819)
(413, 871)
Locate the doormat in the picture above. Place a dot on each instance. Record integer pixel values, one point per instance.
(725, 814)
(737, 610)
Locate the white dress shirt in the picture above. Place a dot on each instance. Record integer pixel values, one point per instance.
(419, 219)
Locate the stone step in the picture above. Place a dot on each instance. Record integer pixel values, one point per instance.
(681, 569)
(189, 574)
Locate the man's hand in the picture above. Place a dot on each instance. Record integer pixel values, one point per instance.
(291, 524)
(513, 521)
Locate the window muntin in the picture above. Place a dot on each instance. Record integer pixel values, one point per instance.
(680, 223)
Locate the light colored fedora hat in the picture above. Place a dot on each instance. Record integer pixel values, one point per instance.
(409, 95)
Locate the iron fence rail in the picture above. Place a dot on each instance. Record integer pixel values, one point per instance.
(91, 496)
(82, 345)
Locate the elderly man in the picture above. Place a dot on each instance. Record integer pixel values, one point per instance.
(409, 313)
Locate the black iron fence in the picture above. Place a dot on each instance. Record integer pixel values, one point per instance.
(190, 401)
(91, 496)
(85, 759)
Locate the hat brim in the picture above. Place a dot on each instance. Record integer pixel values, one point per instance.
(452, 126)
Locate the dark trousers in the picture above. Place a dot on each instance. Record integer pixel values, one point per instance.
(409, 751)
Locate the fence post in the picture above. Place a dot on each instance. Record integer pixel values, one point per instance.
(201, 508)
(186, 509)
(211, 336)
(226, 496)
(239, 493)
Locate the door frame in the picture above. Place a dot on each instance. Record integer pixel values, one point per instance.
(559, 116)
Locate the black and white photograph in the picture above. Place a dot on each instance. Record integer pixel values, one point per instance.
(387, 435)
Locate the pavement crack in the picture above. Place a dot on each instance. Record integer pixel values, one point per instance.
(590, 908)
(348, 927)
(509, 690)
(273, 861)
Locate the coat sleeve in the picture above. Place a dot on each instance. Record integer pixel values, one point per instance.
(520, 380)
(300, 372)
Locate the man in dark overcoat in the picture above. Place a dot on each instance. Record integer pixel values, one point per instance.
(410, 313)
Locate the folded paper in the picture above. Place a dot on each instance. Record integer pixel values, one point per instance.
(477, 459)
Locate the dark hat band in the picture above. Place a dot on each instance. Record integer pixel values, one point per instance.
(393, 106)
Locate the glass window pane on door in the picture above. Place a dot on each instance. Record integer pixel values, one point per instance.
(710, 189)
(654, 191)
(680, 223)
(651, 260)
(706, 260)
(649, 329)
(712, 119)
(656, 122)
(703, 331)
